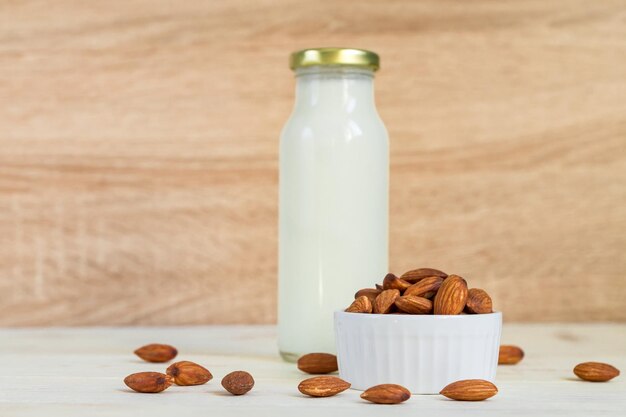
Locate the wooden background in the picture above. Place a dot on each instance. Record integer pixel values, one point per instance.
(138, 152)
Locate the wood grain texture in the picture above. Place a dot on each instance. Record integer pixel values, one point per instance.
(78, 372)
(138, 152)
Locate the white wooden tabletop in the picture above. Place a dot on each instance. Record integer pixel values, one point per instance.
(79, 372)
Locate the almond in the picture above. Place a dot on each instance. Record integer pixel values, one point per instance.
(148, 382)
(510, 355)
(385, 301)
(415, 275)
(188, 373)
(424, 286)
(379, 287)
(470, 390)
(318, 363)
(391, 282)
(413, 304)
(360, 305)
(238, 382)
(478, 302)
(370, 293)
(596, 371)
(156, 352)
(451, 297)
(386, 394)
(323, 386)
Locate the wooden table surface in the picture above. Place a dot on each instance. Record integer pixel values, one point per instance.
(79, 372)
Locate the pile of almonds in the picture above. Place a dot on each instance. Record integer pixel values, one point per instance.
(183, 373)
(421, 291)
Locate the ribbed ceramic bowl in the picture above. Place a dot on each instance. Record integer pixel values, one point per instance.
(424, 353)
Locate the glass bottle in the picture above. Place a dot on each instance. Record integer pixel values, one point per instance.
(333, 208)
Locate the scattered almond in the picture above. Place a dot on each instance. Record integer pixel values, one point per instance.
(391, 282)
(478, 302)
(510, 355)
(470, 390)
(323, 386)
(415, 275)
(451, 297)
(386, 394)
(156, 352)
(370, 293)
(360, 305)
(424, 286)
(596, 371)
(148, 382)
(238, 382)
(385, 301)
(413, 304)
(188, 373)
(318, 363)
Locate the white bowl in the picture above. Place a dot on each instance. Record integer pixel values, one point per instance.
(423, 353)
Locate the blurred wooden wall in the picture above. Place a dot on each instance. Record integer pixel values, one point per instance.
(138, 152)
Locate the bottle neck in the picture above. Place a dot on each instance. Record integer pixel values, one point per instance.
(335, 88)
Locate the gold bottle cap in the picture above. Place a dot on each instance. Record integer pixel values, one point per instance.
(334, 56)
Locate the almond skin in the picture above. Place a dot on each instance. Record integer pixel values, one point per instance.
(370, 293)
(510, 355)
(596, 371)
(318, 363)
(386, 394)
(156, 352)
(451, 297)
(413, 304)
(323, 386)
(424, 286)
(415, 275)
(238, 382)
(391, 282)
(470, 390)
(478, 302)
(148, 382)
(385, 301)
(187, 373)
(360, 305)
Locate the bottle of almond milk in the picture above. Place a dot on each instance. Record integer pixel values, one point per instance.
(333, 211)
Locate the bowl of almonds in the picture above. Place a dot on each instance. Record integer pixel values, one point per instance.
(423, 330)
